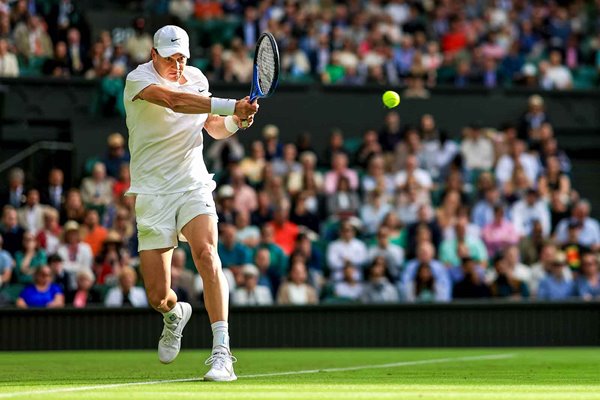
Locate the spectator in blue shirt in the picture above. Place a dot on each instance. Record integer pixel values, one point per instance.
(588, 283)
(439, 274)
(483, 211)
(554, 286)
(6, 265)
(590, 229)
(232, 253)
(42, 293)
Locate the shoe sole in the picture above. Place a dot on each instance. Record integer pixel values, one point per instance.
(228, 379)
(184, 321)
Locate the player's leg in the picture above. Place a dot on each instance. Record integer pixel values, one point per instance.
(157, 235)
(155, 265)
(201, 233)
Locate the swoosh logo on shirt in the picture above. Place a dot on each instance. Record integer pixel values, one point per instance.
(174, 40)
(201, 90)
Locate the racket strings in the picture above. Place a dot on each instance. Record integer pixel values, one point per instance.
(266, 66)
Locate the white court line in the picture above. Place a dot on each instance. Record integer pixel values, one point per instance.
(301, 372)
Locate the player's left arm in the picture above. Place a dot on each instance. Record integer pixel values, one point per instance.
(219, 128)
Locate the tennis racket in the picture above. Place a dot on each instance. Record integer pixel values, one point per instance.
(265, 75)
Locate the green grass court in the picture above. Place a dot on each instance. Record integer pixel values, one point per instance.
(308, 374)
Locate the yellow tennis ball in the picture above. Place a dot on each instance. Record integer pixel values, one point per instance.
(391, 99)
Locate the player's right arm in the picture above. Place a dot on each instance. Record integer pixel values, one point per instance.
(188, 103)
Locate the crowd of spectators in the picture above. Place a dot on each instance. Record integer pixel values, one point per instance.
(417, 44)
(405, 215)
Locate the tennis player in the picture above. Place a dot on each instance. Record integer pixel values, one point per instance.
(168, 104)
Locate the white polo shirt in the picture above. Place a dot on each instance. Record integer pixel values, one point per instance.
(166, 146)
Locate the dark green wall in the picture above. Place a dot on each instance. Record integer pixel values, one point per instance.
(425, 325)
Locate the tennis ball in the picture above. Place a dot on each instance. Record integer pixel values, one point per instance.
(391, 99)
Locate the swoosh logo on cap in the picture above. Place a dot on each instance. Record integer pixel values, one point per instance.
(174, 40)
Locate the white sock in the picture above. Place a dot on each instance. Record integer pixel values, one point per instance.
(173, 315)
(220, 331)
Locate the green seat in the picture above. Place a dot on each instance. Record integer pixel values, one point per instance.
(11, 292)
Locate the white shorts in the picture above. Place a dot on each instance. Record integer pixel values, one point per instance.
(161, 217)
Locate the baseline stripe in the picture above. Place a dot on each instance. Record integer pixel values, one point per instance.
(266, 375)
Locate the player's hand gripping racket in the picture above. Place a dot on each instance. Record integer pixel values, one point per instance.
(266, 69)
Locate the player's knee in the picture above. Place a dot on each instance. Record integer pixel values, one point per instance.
(157, 299)
(209, 262)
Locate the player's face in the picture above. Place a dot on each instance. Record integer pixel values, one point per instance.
(170, 68)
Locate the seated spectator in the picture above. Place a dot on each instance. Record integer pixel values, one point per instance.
(462, 246)
(62, 278)
(253, 165)
(268, 276)
(302, 215)
(250, 293)
(349, 288)
(308, 178)
(11, 231)
(248, 235)
(555, 75)
(344, 202)
(140, 43)
(393, 254)
(244, 196)
(345, 249)
(368, 149)
(296, 289)
(273, 145)
(559, 209)
(530, 246)
(116, 156)
(122, 182)
(84, 294)
(126, 293)
(590, 229)
(15, 194)
(541, 269)
(524, 212)
(483, 211)
(9, 65)
(284, 231)
(376, 177)
(113, 256)
(374, 211)
(76, 254)
(287, 164)
(232, 253)
(506, 283)
(6, 265)
(73, 208)
(554, 286)
(573, 250)
(411, 172)
(42, 292)
(32, 39)
(53, 195)
(517, 157)
(425, 219)
(279, 260)
(49, 236)
(226, 205)
(534, 117)
(31, 215)
(312, 257)
(500, 233)
(472, 285)
(97, 190)
(30, 258)
(588, 282)
(92, 232)
(425, 277)
(447, 213)
(554, 180)
(377, 288)
(58, 65)
(477, 149)
(184, 278)
(339, 168)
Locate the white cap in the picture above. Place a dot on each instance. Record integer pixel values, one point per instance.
(171, 39)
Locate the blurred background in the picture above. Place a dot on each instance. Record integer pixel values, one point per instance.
(481, 185)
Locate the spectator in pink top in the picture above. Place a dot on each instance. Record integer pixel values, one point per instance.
(500, 233)
(245, 199)
(339, 167)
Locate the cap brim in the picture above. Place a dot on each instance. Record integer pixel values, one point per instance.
(169, 51)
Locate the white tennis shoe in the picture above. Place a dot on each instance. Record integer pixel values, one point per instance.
(170, 339)
(221, 370)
